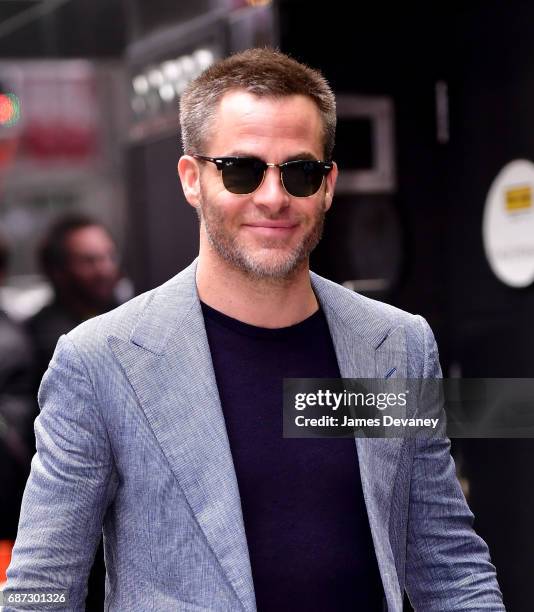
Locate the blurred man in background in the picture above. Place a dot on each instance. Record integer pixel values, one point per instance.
(79, 258)
(17, 411)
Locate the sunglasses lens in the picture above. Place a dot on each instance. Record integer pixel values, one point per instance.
(302, 178)
(242, 176)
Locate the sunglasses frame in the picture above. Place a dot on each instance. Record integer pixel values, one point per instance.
(326, 167)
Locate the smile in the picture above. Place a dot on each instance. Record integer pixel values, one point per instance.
(271, 229)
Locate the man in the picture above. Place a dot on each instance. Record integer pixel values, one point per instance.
(79, 258)
(161, 420)
(17, 411)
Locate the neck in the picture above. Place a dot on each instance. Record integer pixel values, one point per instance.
(270, 303)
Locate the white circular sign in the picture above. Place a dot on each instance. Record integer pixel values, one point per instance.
(508, 224)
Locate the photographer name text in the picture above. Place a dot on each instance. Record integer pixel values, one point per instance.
(385, 421)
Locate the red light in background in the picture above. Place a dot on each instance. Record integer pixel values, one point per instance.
(9, 109)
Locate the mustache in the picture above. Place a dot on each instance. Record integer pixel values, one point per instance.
(288, 216)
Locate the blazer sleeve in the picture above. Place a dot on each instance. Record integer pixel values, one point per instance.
(448, 565)
(70, 485)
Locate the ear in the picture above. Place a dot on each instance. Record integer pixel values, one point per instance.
(330, 186)
(189, 174)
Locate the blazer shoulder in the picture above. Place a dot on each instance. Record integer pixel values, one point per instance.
(376, 321)
(348, 302)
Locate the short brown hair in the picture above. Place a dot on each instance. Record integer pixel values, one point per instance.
(263, 72)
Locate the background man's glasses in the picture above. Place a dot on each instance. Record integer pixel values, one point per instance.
(243, 175)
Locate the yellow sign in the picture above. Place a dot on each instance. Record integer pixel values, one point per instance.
(518, 198)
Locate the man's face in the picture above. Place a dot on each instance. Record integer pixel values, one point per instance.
(268, 233)
(91, 270)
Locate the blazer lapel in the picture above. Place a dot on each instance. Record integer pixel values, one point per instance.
(168, 364)
(366, 347)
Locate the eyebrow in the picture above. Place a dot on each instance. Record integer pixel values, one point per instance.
(303, 155)
(306, 155)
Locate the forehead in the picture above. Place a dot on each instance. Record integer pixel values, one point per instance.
(245, 122)
(88, 238)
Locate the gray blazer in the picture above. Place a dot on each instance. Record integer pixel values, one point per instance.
(131, 437)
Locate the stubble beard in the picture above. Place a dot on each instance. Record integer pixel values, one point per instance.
(274, 264)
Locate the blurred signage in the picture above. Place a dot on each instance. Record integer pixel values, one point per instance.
(60, 115)
(519, 198)
(157, 87)
(52, 109)
(508, 224)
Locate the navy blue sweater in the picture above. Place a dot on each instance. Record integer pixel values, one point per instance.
(305, 518)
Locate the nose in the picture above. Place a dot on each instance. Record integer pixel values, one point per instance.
(271, 194)
(101, 264)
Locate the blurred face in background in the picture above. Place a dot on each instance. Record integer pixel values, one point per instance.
(91, 269)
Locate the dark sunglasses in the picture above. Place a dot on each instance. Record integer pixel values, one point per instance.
(243, 175)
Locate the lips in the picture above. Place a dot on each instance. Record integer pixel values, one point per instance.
(271, 230)
(272, 225)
